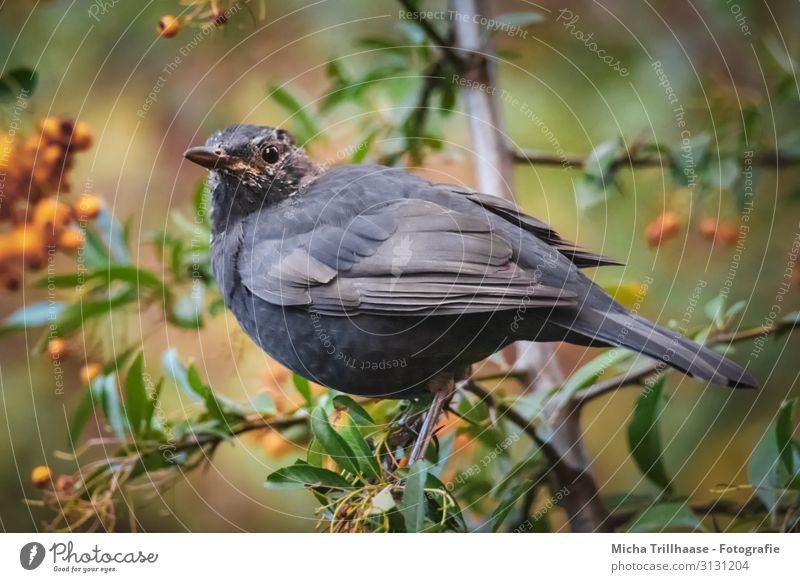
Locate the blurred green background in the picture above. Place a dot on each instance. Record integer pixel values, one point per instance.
(102, 71)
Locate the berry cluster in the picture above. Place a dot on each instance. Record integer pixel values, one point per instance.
(668, 225)
(34, 218)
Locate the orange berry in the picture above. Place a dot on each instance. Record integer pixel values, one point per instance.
(87, 207)
(662, 228)
(82, 137)
(51, 128)
(57, 348)
(51, 156)
(90, 371)
(26, 243)
(52, 214)
(70, 240)
(41, 476)
(728, 233)
(168, 26)
(708, 228)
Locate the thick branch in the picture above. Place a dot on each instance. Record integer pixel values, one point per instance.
(582, 502)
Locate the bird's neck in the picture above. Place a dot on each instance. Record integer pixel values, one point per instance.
(233, 202)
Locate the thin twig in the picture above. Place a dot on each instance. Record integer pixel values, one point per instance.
(577, 161)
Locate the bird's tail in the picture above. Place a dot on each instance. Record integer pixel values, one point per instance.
(618, 327)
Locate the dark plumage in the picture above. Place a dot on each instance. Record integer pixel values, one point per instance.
(371, 280)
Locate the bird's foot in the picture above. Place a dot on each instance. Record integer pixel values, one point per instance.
(442, 386)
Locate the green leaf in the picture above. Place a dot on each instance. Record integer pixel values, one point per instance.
(95, 251)
(136, 399)
(25, 80)
(357, 412)
(105, 387)
(214, 407)
(362, 149)
(304, 388)
(187, 310)
(315, 455)
(201, 203)
(304, 125)
(76, 315)
(643, 438)
(217, 306)
(762, 470)
(365, 458)
(149, 421)
(331, 441)
(175, 368)
(715, 310)
(263, 403)
(665, 517)
(590, 372)
(413, 505)
(112, 233)
(139, 278)
(35, 315)
(784, 430)
(599, 164)
(500, 513)
(304, 475)
(588, 192)
(80, 416)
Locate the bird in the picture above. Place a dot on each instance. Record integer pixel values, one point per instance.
(375, 282)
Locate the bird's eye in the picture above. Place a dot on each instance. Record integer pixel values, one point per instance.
(270, 154)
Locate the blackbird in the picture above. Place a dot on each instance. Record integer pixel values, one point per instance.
(376, 282)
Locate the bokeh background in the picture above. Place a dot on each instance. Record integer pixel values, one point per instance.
(101, 70)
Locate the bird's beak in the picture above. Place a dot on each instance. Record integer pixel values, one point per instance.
(211, 158)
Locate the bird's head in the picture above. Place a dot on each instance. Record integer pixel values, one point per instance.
(251, 167)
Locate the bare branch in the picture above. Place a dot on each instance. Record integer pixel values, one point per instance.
(577, 161)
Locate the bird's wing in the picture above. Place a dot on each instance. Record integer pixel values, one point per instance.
(406, 257)
(511, 212)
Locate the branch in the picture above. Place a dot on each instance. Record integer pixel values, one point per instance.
(577, 161)
(582, 501)
(494, 173)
